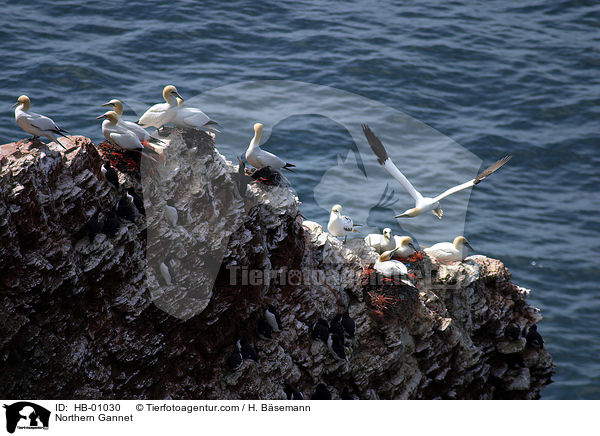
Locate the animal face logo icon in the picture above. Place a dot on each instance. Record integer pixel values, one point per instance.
(26, 415)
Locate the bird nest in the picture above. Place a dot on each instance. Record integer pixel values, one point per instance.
(125, 161)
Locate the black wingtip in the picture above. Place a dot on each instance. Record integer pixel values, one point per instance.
(376, 144)
(492, 169)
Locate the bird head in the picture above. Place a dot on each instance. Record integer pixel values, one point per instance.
(387, 233)
(406, 241)
(24, 100)
(336, 209)
(116, 105)
(110, 115)
(169, 92)
(461, 241)
(388, 255)
(410, 213)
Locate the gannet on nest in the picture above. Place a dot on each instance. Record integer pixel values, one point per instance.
(259, 158)
(122, 137)
(141, 133)
(447, 252)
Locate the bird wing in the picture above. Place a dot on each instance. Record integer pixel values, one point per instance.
(127, 140)
(480, 177)
(385, 161)
(194, 117)
(347, 223)
(153, 114)
(269, 159)
(42, 122)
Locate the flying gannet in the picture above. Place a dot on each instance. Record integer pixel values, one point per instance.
(422, 204)
(340, 225)
(192, 118)
(259, 158)
(121, 136)
(383, 242)
(448, 252)
(141, 133)
(36, 124)
(162, 113)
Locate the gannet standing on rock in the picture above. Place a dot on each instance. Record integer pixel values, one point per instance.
(259, 158)
(162, 113)
(405, 246)
(340, 225)
(36, 124)
(383, 242)
(391, 268)
(448, 252)
(422, 204)
(141, 133)
(192, 118)
(121, 136)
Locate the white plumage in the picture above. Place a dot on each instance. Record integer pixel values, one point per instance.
(260, 158)
(162, 113)
(140, 132)
(448, 252)
(339, 225)
(383, 242)
(405, 246)
(36, 124)
(192, 118)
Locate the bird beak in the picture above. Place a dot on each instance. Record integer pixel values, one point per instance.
(402, 215)
(177, 94)
(469, 245)
(101, 116)
(15, 105)
(411, 245)
(106, 104)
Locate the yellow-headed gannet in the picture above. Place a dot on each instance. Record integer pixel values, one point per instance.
(259, 158)
(141, 133)
(192, 118)
(390, 268)
(405, 246)
(340, 225)
(422, 204)
(383, 242)
(162, 113)
(121, 136)
(36, 124)
(447, 252)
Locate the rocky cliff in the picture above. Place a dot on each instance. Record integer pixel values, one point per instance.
(95, 319)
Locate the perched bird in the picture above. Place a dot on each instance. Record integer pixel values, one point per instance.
(248, 352)
(122, 137)
(321, 393)
(136, 201)
(272, 318)
(335, 326)
(383, 242)
(512, 331)
(390, 268)
(166, 271)
(340, 225)
(335, 343)
(348, 324)
(192, 118)
(263, 329)
(346, 394)
(140, 132)
(320, 330)
(93, 226)
(422, 204)
(448, 252)
(534, 338)
(111, 224)
(241, 179)
(171, 212)
(291, 393)
(110, 174)
(259, 158)
(125, 210)
(162, 113)
(36, 124)
(405, 245)
(234, 360)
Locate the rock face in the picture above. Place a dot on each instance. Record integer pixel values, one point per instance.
(96, 320)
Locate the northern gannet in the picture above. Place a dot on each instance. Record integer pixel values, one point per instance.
(447, 252)
(161, 113)
(36, 124)
(121, 136)
(340, 225)
(405, 245)
(390, 268)
(259, 158)
(192, 118)
(383, 242)
(422, 204)
(141, 133)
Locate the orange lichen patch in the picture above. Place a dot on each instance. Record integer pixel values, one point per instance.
(124, 161)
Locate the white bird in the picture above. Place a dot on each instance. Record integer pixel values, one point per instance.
(140, 132)
(165, 271)
(191, 117)
(391, 268)
(121, 136)
(259, 158)
(383, 242)
(340, 225)
(162, 113)
(405, 246)
(36, 124)
(447, 252)
(422, 204)
(171, 213)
